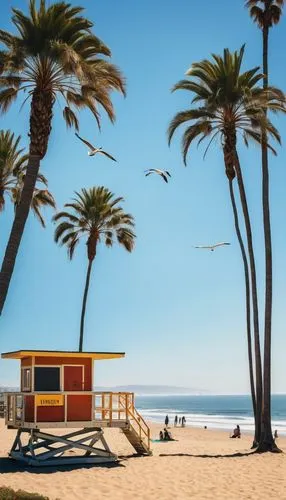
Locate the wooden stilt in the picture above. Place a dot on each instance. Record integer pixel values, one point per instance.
(45, 449)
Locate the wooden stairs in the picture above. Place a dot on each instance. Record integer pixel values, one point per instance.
(139, 444)
(137, 430)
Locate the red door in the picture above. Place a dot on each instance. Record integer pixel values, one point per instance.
(73, 378)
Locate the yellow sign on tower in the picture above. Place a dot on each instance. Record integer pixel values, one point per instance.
(49, 400)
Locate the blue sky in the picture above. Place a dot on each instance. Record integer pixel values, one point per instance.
(177, 312)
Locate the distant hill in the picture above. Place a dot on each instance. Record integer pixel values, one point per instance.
(4, 388)
(138, 389)
(154, 389)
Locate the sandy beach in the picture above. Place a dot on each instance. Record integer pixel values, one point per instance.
(201, 464)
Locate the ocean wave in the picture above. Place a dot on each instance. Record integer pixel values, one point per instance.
(212, 421)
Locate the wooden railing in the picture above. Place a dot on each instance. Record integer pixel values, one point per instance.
(112, 406)
(13, 403)
(116, 406)
(137, 421)
(141, 427)
(109, 408)
(2, 406)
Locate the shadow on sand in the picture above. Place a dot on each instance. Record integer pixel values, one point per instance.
(123, 458)
(8, 466)
(232, 455)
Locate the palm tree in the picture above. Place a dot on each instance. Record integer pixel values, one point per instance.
(247, 308)
(96, 215)
(53, 55)
(266, 13)
(13, 165)
(231, 103)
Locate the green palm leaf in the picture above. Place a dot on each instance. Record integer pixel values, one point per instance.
(54, 48)
(95, 214)
(265, 13)
(232, 102)
(13, 165)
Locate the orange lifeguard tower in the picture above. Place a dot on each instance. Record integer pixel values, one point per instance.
(57, 392)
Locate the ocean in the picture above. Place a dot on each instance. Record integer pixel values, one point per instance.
(216, 412)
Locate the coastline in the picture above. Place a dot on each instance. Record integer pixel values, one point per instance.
(200, 464)
(216, 412)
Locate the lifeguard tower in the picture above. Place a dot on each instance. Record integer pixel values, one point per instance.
(57, 392)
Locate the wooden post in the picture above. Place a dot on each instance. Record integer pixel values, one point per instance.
(35, 410)
(110, 408)
(66, 407)
(92, 407)
(14, 409)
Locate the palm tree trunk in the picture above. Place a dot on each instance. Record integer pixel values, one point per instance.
(40, 128)
(258, 365)
(84, 304)
(248, 314)
(267, 442)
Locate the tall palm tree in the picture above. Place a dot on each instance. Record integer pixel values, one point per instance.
(266, 13)
(53, 55)
(97, 216)
(231, 102)
(247, 307)
(13, 165)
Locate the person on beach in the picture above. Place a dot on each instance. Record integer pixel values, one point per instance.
(236, 432)
(161, 436)
(176, 421)
(167, 435)
(180, 421)
(183, 421)
(166, 421)
(275, 434)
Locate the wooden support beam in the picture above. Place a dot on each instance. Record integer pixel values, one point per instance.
(54, 455)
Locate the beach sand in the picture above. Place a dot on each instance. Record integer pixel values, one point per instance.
(201, 464)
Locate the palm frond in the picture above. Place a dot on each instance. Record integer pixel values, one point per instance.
(265, 14)
(70, 118)
(54, 47)
(231, 102)
(96, 214)
(7, 97)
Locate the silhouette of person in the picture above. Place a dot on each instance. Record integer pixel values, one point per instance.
(236, 432)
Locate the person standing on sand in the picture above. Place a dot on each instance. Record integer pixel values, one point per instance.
(166, 421)
(176, 421)
(183, 421)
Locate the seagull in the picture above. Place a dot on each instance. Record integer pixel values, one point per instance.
(93, 150)
(163, 173)
(212, 247)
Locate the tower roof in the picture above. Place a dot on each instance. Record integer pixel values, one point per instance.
(64, 354)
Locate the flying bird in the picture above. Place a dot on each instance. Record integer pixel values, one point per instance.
(212, 247)
(163, 173)
(93, 150)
